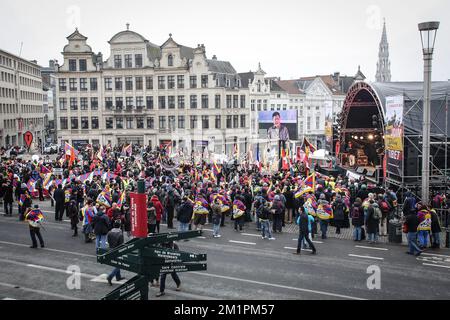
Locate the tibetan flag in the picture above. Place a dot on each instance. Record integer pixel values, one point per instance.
(84, 177)
(308, 148)
(70, 152)
(127, 151)
(45, 170)
(100, 153)
(121, 200)
(35, 215)
(216, 169)
(105, 198)
(238, 209)
(22, 199)
(31, 185)
(311, 181)
(47, 181)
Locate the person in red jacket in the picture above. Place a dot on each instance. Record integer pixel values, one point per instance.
(159, 210)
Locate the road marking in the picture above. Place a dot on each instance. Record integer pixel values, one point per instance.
(56, 295)
(201, 237)
(365, 257)
(8, 299)
(66, 220)
(291, 248)
(434, 254)
(208, 230)
(436, 265)
(103, 278)
(54, 250)
(242, 242)
(251, 235)
(277, 285)
(319, 242)
(372, 248)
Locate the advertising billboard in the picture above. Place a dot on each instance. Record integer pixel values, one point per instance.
(394, 135)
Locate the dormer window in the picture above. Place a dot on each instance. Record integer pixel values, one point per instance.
(228, 82)
(170, 60)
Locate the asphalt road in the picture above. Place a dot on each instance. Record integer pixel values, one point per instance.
(240, 266)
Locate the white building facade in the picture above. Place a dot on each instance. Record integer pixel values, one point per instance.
(21, 100)
(151, 95)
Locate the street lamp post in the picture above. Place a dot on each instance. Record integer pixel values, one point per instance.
(428, 31)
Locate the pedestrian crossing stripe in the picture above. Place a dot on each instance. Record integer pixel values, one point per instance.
(103, 278)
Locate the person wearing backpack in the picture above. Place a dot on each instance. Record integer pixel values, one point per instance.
(264, 218)
(372, 221)
(384, 214)
(277, 211)
(258, 204)
(304, 229)
(339, 209)
(357, 216)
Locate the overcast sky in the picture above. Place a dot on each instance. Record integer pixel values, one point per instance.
(291, 38)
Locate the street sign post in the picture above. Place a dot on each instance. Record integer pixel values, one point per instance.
(148, 259)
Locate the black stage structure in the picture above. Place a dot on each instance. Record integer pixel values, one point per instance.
(364, 116)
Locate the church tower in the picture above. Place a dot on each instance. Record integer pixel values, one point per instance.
(383, 64)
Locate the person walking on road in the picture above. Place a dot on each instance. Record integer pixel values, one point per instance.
(115, 239)
(216, 216)
(100, 223)
(264, 219)
(162, 286)
(35, 218)
(72, 213)
(59, 197)
(277, 212)
(8, 198)
(159, 211)
(372, 221)
(184, 214)
(304, 225)
(410, 227)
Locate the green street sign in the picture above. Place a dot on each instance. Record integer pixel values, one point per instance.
(176, 268)
(171, 255)
(134, 289)
(124, 265)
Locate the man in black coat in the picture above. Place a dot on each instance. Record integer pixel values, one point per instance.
(59, 197)
(304, 231)
(184, 214)
(8, 198)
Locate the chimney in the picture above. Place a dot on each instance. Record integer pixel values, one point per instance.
(51, 64)
(34, 61)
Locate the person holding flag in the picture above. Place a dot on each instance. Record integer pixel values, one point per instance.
(35, 219)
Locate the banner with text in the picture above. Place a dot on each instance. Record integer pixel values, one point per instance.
(394, 134)
(329, 126)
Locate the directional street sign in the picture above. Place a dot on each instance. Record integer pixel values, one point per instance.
(148, 259)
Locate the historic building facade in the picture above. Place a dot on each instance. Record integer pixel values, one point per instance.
(151, 95)
(21, 100)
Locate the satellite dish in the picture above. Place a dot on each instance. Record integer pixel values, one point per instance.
(35, 158)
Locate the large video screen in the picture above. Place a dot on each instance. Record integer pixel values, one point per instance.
(278, 125)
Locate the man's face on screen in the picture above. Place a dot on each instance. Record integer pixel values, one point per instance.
(277, 121)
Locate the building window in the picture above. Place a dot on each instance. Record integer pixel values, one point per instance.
(180, 82)
(94, 103)
(94, 122)
(284, 106)
(161, 82)
(228, 83)
(229, 97)
(108, 84)
(171, 82)
(129, 83)
(73, 84)
(73, 104)
(205, 122)
(162, 122)
(83, 84)
(218, 122)
(119, 123)
(180, 102)
(62, 104)
(235, 121)
(229, 123)
(119, 102)
(235, 101)
(84, 123)
(72, 65)
(140, 123)
(83, 65)
(62, 85)
(109, 123)
(318, 122)
(162, 102)
(108, 103)
(149, 83)
(171, 102)
(63, 123)
(129, 102)
(128, 61)
(193, 122)
(217, 101)
(181, 123)
(242, 101)
(265, 105)
(118, 61)
(252, 105)
(94, 86)
(138, 60)
(172, 123)
(83, 103)
(205, 103)
(243, 122)
(149, 102)
(119, 84)
(140, 102)
(129, 123)
(193, 82)
(205, 81)
(193, 101)
(170, 60)
(74, 123)
(150, 123)
(139, 83)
